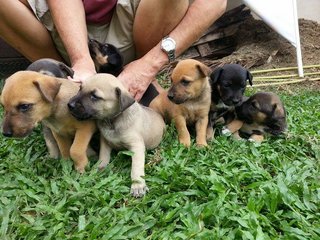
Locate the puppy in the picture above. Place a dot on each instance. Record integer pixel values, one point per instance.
(30, 97)
(58, 69)
(123, 123)
(228, 85)
(187, 102)
(107, 58)
(51, 67)
(263, 113)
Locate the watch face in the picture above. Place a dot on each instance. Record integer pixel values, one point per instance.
(168, 44)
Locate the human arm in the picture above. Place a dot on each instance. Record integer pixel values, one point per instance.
(73, 33)
(200, 15)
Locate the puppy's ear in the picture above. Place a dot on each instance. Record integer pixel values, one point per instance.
(255, 104)
(124, 99)
(278, 110)
(115, 59)
(203, 70)
(215, 75)
(249, 77)
(48, 88)
(67, 70)
(273, 111)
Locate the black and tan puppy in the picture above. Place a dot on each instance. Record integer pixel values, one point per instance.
(30, 97)
(187, 102)
(123, 123)
(228, 85)
(262, 113)
(107, 58)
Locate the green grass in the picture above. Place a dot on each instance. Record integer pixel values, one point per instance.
(231, 190)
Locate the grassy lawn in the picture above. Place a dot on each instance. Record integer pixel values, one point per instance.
(230, 190)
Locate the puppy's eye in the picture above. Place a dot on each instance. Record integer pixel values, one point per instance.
(24, 107)
(94, 97)
(185, 82)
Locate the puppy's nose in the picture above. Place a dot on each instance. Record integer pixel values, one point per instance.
(236, 101)
(7, 133)
(71, 105)
(170, 95)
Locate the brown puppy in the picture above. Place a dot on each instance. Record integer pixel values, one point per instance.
(262, 113)
(58, 69)
(30, 97)
(187, 102)
(123, 123)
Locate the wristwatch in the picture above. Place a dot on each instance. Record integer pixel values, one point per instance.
(168, 45)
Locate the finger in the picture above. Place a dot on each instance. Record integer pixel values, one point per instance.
(74, 80)
(138, 97)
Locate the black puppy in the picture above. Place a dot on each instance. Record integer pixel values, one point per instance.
(262, 113)
(107, 58)
(228, 84)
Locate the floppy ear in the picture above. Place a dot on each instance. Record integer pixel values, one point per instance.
(278, 110)
(203, 70)
(249, 77)
(125, 100)
(114, 59)
(274, 107)
(48, 88)
(64, 68)
(255, 104)
(215, 75)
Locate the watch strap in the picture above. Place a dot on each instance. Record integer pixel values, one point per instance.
(171, 56)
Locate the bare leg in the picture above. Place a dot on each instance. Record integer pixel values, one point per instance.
(21, 29)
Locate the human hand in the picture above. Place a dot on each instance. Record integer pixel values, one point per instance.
(82, 71)
(137, 76)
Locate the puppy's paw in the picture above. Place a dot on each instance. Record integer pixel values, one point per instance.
(225, 131)
(210, 134)
(54, 155)
(185, 142)
(138, 188)
(202, 144)
(256, 138)
(255, 142)
(80, 169)
(102, 166)
(237, 137)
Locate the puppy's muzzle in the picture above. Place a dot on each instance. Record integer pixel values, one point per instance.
(236, 102)
(173, 97)
(170, 96)
(232, 102)
(78, 111)
(7, 133)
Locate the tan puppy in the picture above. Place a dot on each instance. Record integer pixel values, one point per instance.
(30, 97)
(123, 123)
(188, 100)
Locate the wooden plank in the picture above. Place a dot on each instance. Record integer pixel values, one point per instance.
(204, 49)
(225, 32)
